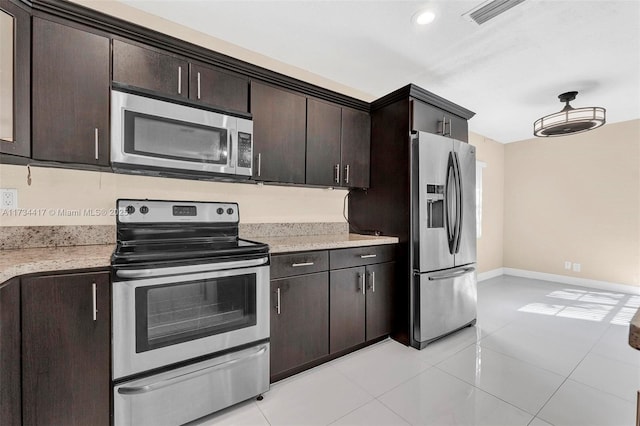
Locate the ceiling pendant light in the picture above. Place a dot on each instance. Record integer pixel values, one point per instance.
(570, 120)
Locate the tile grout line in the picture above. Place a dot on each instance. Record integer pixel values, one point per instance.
(487, 392)
(262, 413)
(571, 372)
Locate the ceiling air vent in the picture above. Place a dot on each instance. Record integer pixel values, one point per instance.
(490, 10)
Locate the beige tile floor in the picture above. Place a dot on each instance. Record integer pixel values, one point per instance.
(541, 354)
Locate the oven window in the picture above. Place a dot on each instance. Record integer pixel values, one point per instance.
(154, 136)
(176, 313)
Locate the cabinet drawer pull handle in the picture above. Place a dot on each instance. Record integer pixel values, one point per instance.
(337, 173)
(94, 296)
(278, 300)
(198, 86)
(373, 282)
(96, 139)
(363, 277)
(368, 256)
(444, 126)
(296, 265)
(346, 174)
(179, 80)
(259, 164)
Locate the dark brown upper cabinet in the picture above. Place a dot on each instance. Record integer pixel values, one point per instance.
(355, 148)
(218, 88)
(15, 79)
(323, 143)
(149, 69)
(66, 322)
(428, 118)
(70, 94)
(166, 74)
(279, 119)
(337, 145)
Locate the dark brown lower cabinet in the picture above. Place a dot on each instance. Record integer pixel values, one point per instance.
(360, 304)
(379, 299)
(347, 318)
(10, 394)
(66, 349)
(299, 320)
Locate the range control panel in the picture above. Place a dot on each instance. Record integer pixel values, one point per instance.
(156, 211)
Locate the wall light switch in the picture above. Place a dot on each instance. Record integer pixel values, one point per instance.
(576, 267)
(8, 199)
(567, 265)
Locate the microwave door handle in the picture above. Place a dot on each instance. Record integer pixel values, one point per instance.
(230, 161)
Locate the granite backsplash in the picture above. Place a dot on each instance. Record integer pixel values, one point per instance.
(20, 237)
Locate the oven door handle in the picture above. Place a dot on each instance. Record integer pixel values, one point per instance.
(135, 390)
(190, 269)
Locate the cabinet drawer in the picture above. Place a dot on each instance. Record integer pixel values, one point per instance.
(357, 256)
(287, 265)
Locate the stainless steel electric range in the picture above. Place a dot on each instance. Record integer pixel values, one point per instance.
(190, 312)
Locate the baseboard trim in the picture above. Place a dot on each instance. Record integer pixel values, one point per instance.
(498, 272)
(582, 282)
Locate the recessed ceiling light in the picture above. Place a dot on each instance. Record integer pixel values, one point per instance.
(424, 17)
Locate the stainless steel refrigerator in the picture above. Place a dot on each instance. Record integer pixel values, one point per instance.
(443, 237)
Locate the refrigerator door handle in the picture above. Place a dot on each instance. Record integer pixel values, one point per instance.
(449, 200)
(461, 272)
(459, 205)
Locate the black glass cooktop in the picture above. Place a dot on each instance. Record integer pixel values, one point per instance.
(132, 252)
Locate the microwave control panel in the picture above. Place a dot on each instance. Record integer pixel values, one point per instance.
(244, 150)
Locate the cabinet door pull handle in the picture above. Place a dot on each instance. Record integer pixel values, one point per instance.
(259, 164)
(94, 296)
(198, 85)
(373, 282)
(363, 277)
(337, 173)
(444, 126)
(179, 80)
(368, 256)
(296, 265)
(278, 300)
(346, 174)
(450, 128)
(96, 139)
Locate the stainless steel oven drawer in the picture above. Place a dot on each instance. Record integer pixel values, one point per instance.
(188, 393)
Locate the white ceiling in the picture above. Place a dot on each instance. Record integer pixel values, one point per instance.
(509, 70)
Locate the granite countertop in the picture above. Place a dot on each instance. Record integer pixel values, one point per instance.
(322, 242)
(34, 260)
(634, 331)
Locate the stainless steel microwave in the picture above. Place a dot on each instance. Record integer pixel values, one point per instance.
(153, 136)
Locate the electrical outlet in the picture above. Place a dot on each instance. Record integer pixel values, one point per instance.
(567, 264)
(8, 199)
(576, 267)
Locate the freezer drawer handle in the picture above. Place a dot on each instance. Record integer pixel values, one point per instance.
(368, 256)
(453, 275)
(181, 378)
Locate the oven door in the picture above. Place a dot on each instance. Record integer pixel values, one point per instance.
(184, 312)
(164, 135)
